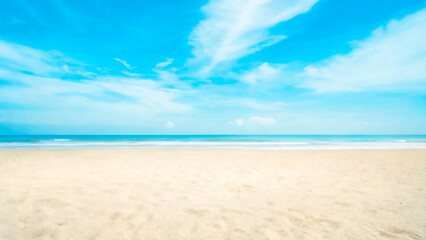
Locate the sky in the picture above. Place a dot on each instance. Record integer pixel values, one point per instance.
(213, 67)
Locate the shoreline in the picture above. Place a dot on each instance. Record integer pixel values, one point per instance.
(212, 149)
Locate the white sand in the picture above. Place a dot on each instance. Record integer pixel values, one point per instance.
(212, 194)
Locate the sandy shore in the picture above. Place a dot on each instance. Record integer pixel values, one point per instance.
(212, 194)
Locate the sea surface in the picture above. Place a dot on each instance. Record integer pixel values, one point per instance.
(215, 141)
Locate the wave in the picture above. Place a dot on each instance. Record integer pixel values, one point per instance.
(68, 143)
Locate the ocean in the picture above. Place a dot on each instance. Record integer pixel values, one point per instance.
(214, 141)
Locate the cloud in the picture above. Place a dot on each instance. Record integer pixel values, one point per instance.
(263, 120)
(239, 122)
(170, 78)
(130, 74)
(164, 64)
(42, 88)
(21, 58)
(236, 28)
(393, 57)
(264, 72)
(169, 125)
(124, 63)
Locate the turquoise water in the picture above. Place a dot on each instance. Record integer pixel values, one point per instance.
(215, 141)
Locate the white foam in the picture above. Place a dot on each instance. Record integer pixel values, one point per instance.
(67, 143)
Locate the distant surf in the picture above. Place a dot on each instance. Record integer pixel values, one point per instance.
(215, 141)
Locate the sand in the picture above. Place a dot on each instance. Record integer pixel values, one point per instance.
(212, 194)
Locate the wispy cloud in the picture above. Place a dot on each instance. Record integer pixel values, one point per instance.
(124, 63)
(36, 79)
(393, 57)
(165, 63)
(21, 58)
(130, 74)
(170, 78)
(263, 73)
(234, 29)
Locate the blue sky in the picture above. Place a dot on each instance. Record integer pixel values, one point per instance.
(213, 67)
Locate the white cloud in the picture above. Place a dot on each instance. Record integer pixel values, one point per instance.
(236, 28)
(21, 58)
(147, 93)
(238, 122)
(170, 78)
(169, 125)
(130, 74)
(164, 64)
(36, 79)
(393, 57)
(98, 94)
(262, 73)
(124, 63)
(263, 120)
(66, 68)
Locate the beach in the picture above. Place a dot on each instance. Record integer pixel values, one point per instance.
(212, 194)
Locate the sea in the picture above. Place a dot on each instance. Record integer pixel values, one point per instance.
(290, 142)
